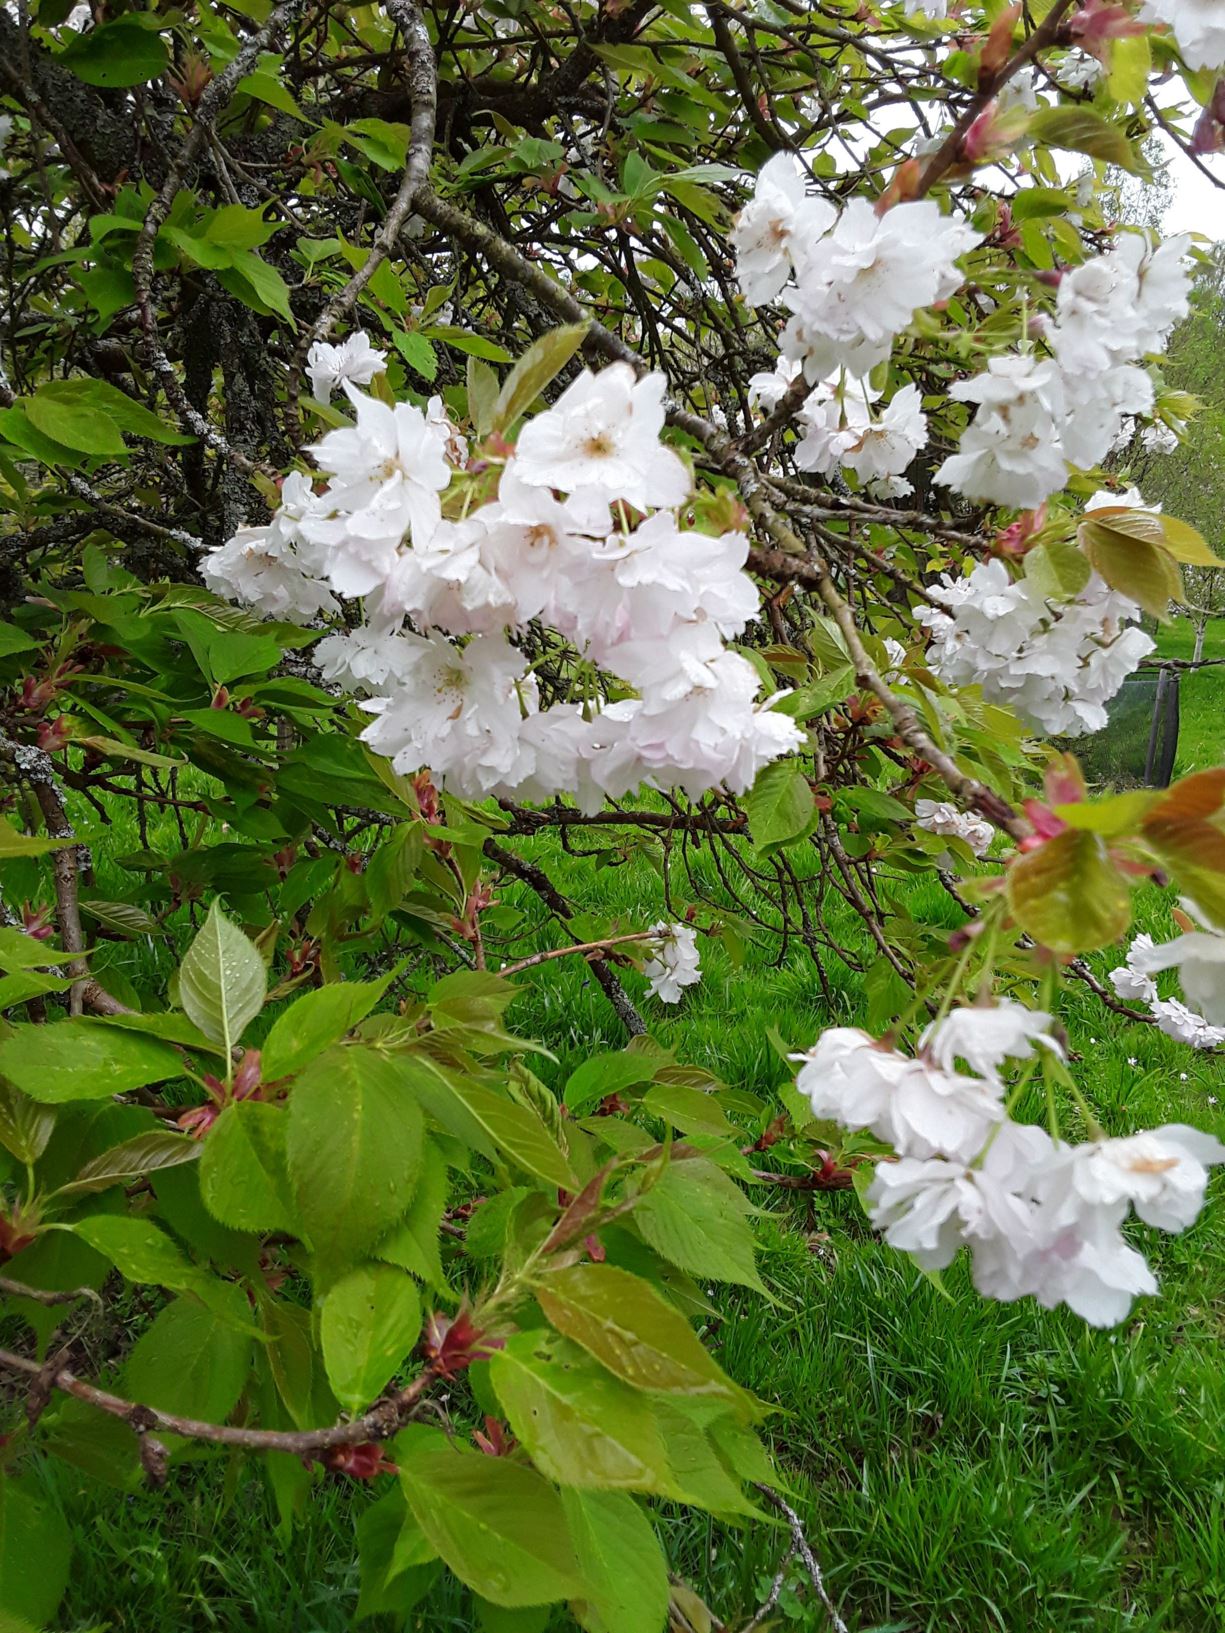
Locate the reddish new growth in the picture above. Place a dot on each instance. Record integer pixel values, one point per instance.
(17, 1230)
(246, 1086)
(361, 1462)
(496, 1441)
(452, 1343)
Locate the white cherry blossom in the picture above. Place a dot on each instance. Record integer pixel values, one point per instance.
(771, 227)
(1199, 28)
(602, 434)
(943, 817)
(354, 360)
(985, 1035)
(674, 963)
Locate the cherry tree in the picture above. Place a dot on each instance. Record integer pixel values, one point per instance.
(428, 429)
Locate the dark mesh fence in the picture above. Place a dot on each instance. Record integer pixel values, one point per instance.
(1136, 748)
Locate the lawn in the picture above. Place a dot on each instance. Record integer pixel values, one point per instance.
(960, 1466)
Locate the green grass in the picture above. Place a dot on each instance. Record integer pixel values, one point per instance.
(961, 1466)
(1117, 755)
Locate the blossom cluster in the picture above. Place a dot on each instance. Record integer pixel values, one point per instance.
(1056, 664)
(581, 537)
(852, 280)
(1039, 415)
(943, 817)
(674, 962)
(1041, 1217)
(1199, 957)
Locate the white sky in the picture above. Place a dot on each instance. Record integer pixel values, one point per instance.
(1197, 206)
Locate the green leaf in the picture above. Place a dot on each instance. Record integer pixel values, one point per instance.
(75, 425)
(354, 1148)
(393, 867)
(394, 1556)
(264, 85)
(1131, 63)
(84, 1059)
(18, 951)
(131, 1160)
(222, 980)
(1128, 550)
(538, 367)
(696, 1217)
(812, 699)
(249, 275)
(116, 55)
(1084, 130)
(124, 918)
(191, 1361)
(602, 1075)
(516, 1130)
(384, 144)
(315, 1022)
(499, 1526)
(473, 345)
(625, 1573)
(35, 1550)
(116, 405)
(243, 1177)
(370, 1321)
(581, 1426)
(13, 640)
(13, 843)
(1186, 543)
(630, 1329)
(1069, 895)
(1058, 570)
(141, 1252)
(482, 395)
(413, 1243)
(781, 807)
(417, 352)
(25, 1126)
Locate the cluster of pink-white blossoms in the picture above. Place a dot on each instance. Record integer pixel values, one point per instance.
(1057, 664)
(674, 963)
(1040, 1217)
(1040, 415)
(1199, 958)
(634, 597)
(852, 280)
(944, 818)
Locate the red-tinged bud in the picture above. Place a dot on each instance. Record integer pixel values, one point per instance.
(199, 1120)
(1064, 783)
(17, 1230)
(452, 1343)
(1100, 21)
(595, 1249)
(1016, 539)
(221, 698)
(247, 1077)
(428, 802)
(36, 922)
(1208, 135)
(903, 185)
(497, 1439)
(54, 735)
(998, 46)
(360, 1462)
(1050, 277)
(1046, 825)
